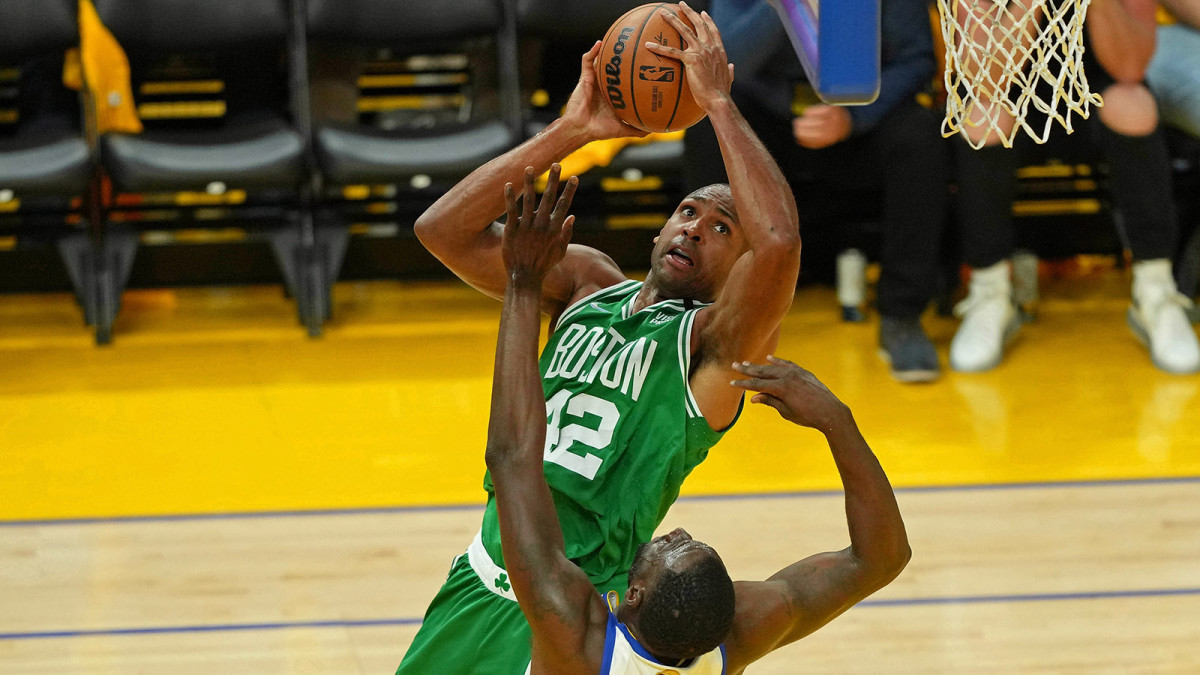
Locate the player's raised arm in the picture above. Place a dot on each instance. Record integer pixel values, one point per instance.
(460, 228)
(808, 594)
(558, 600)
(743, 322)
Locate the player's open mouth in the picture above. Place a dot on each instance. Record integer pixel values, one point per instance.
(680, 258)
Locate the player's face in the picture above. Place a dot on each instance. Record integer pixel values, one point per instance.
(675, 551)
(698, 246)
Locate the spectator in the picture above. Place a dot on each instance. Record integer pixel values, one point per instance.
(893, 142)
(1174, 72)
(1120, 35)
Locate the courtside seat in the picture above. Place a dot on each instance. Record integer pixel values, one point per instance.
(45, 162)
(266, 154)
(352, 155)
(46, 151)
(654, 158)
(219, 87)
(432, 114)
(267, 151)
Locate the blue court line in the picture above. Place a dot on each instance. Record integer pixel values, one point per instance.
(217, 628)
(898, 602)
(748, 496)
(1031, 597)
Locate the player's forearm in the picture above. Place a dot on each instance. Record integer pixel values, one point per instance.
(766, 207)
(467, 210)
(530, 535)
(877, 535)
(517, 427)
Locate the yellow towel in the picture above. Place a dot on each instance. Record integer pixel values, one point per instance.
(601, 153)
(101, 64)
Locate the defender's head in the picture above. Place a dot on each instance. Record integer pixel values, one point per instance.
(697, 247)
(680, 599)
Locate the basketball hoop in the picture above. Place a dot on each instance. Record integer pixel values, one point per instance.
(1004, 57)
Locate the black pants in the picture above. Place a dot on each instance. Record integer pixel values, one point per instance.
(903, 162)
(1139, 177)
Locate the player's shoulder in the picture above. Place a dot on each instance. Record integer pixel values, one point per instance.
(582, 271)
(592, 267)
(589, 271)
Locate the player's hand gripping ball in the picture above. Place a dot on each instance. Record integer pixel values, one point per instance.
(646, 90)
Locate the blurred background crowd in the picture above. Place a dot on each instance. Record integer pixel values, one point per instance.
(154, 143)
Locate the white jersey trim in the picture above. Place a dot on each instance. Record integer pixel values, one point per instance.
(624, 655)
(492, 576)
(685, 362)
(623, 287)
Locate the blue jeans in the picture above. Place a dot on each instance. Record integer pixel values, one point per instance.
(1174, 76)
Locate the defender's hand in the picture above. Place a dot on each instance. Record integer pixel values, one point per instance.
(796, 393)
(587, 110)
(709, 72)
(535, 241)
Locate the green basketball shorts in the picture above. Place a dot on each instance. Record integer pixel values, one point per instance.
(473, 626)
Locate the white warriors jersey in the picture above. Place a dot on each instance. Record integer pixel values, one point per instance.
(623, 655)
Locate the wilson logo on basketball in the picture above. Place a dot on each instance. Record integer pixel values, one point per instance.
(656, 74)
(612, 70)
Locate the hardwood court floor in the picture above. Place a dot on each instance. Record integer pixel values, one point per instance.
(215, 492)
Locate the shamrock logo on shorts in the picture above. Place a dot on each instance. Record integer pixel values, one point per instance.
(502, 582)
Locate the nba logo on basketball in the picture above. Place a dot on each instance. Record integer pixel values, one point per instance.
(645, 90)
(657, 74)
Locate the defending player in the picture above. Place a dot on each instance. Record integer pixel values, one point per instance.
(682, 613)
(635, 375)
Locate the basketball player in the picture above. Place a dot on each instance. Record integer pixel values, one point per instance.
(681, 612)
(635, 374)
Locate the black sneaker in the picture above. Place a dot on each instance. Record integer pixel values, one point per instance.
(904, 345)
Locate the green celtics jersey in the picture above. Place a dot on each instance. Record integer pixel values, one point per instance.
(622, 427)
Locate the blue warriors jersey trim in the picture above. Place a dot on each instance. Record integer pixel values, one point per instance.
(610, 640)
(624, 655)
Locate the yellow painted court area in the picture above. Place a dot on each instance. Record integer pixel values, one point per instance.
(213, 403)
(213, 400)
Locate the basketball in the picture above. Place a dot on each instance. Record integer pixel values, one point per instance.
(646, 90)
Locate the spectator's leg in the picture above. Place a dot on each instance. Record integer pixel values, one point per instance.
(986, 188)
(915, 166)
(1174, 76)
(1139, 166)
(915, 176)
(987, 184)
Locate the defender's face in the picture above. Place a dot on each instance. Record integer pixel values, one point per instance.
(698, 245)
(675, 551)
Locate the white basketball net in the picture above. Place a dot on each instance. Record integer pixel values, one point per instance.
(997, 53)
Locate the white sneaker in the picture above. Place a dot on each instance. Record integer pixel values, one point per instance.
(1158, 317)
(990, 320)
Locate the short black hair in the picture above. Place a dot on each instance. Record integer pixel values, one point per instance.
(689, 613)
